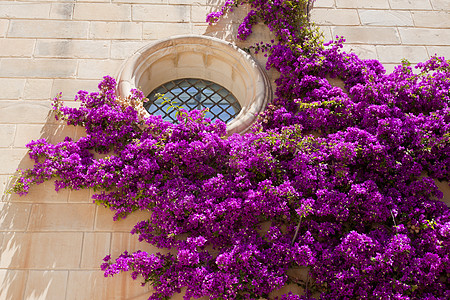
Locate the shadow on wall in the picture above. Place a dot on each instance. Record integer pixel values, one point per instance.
(53, 131)
(52, 243)
(24, 254)
(444, 186)
(227, 29)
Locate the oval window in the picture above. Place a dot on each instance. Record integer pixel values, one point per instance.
(190, 94)
(199, 72)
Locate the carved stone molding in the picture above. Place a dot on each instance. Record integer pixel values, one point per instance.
(208, 58)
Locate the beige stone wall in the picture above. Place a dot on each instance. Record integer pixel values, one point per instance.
(51, 244)
(388, 30)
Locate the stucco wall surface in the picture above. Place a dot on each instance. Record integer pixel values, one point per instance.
(51, 244)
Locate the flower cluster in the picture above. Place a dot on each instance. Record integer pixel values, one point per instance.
(340, 180)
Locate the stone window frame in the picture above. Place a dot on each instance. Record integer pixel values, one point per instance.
(203, 57)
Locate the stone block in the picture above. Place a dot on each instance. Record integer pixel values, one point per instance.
(11, 88)
(379, 4)
(16, 47)
(395, 54)
(96, 245)
(155, 31)
(14, 216)
(17, 10)
(385, 18)
(16, 112)
(187, 2)
(96, 286)
(410, 4)
(41, 193)
(38, 89)
(439, 51)
(41, 250)
(81, 132)
(161, 13)
(4, 185)
(116, 30)
(44, 68)
(324, 4)
(61, 217)
(288, 288)
(54, 133)
(431, 19)
(199, 14)
(226, 32)
(421, 36)
(335, 16)
(102, 12)
(125, 49)
(80, 196)
(337, 82)
(367, 35)
(327, 33)
(57, 132)
(440, 4)
(121, 242)
(49, 29)
(62, 11)
(7, 132)
(96, 69)
(72, 49)
(444, 187)
(43, 284)
(201, 29)
(104, 220)
(70, 87)
(12, 284)
(10, 160)
(260, 33)
(389, 68)
(3, 27)
(363, 51)
(137, 1)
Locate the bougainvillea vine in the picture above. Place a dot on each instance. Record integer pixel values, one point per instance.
(338, 181)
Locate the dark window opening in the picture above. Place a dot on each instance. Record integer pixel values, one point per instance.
(189, 94)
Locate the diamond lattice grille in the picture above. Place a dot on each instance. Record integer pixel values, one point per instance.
(192, 94)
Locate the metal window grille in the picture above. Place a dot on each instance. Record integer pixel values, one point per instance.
(191, 93)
